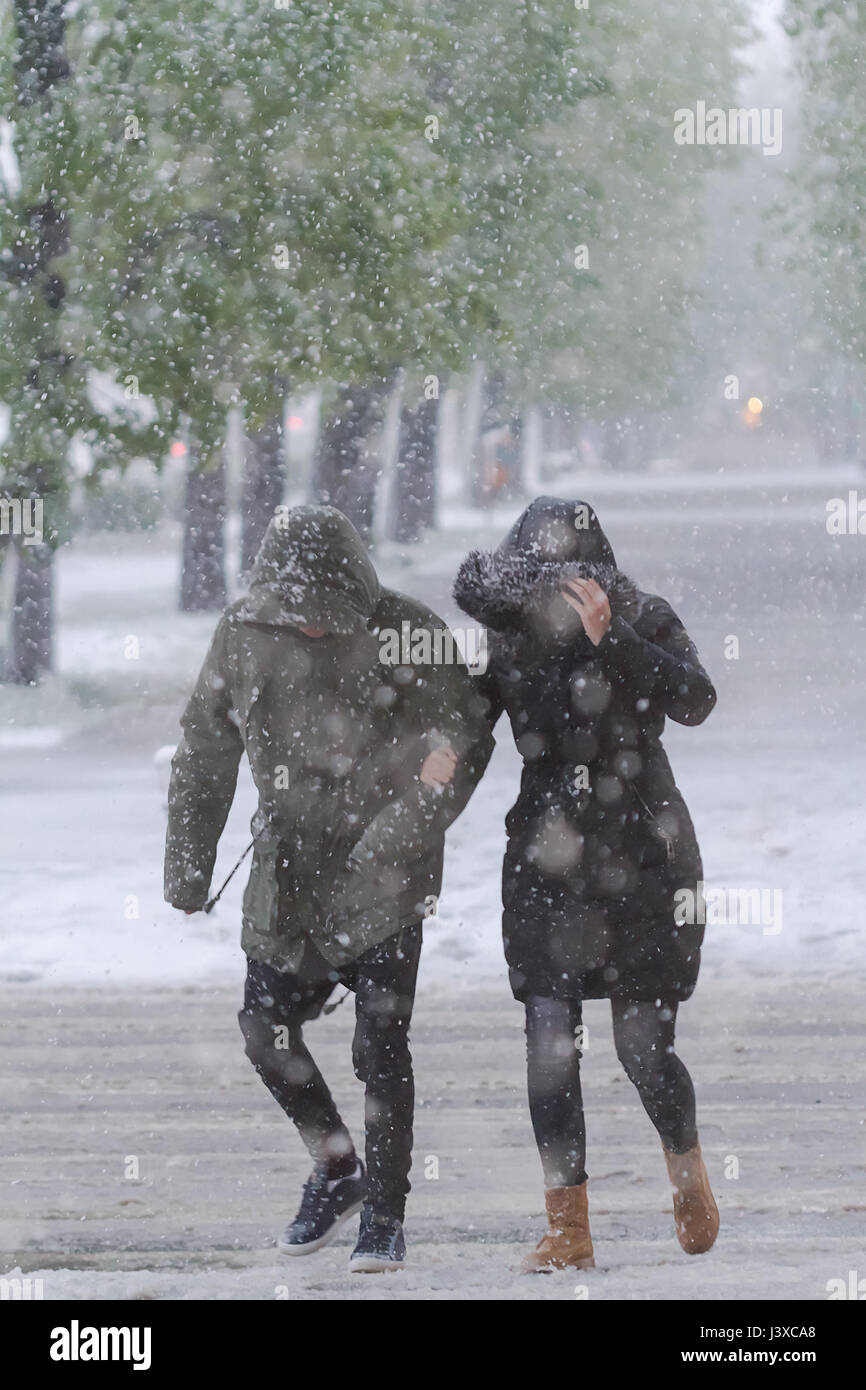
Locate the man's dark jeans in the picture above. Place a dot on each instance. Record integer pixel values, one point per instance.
(276, 1005)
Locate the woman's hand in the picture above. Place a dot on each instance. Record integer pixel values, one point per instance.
(438, 767)
(591, 603)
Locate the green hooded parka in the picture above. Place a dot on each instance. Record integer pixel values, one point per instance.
(348, 841)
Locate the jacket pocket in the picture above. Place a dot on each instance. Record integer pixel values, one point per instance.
(353, 893)
(261, 895)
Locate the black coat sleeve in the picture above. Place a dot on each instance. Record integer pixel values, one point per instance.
(488, 687)
(657, 659)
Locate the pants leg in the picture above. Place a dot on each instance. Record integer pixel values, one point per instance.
(555, 1100)
(383, 980)
(275, 1008)
(644, 1037)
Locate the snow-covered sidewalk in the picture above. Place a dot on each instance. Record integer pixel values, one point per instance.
(105, 1082)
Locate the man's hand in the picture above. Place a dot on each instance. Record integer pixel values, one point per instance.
(438, 768)
(589, 600)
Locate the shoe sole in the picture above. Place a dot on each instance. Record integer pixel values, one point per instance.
(313, 1245)
(549, 1268)
(368, 1264)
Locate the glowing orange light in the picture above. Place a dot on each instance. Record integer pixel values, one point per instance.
(755, 405)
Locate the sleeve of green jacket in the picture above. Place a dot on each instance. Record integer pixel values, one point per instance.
(203, 778)
(452, 712)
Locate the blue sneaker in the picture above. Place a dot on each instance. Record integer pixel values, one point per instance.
(325, 1205)
(381, 1244)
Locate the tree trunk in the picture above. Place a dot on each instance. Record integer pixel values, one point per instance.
(40, 63)
(532, 445)
(31, 646)
(345, 472)
(494, 416)
(473, 415)
(414, 495)
(264, 477)
(203, 582)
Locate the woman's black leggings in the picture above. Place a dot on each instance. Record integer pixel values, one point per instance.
(644, 1038)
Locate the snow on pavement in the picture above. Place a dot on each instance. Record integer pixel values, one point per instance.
(103, 1077)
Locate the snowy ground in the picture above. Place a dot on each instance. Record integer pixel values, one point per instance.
(105, 1075)
(120, 1013)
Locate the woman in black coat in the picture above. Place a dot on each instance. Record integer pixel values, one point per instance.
(602, 869)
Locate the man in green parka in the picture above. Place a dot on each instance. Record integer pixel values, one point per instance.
(361, 765)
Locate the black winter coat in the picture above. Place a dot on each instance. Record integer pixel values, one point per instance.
(600, 839)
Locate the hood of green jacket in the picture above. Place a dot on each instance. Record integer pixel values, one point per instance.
(312, 570)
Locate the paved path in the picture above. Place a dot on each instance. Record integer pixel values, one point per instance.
(94, 1079)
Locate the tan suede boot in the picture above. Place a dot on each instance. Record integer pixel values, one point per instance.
(695, 1211)
(568, 1243)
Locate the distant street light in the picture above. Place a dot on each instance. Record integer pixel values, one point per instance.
(752, 414)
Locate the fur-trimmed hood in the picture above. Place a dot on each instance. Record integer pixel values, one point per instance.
(515, 589)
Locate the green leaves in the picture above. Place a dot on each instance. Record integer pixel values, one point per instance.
(330, 191)
(829, 182)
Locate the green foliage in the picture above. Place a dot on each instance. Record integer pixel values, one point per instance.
(269, 208)
(266, 200)
(615, 334)
(261, 195)
(829, 180)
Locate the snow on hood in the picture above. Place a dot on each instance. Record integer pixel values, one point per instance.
(312, 570)
(557, 532)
